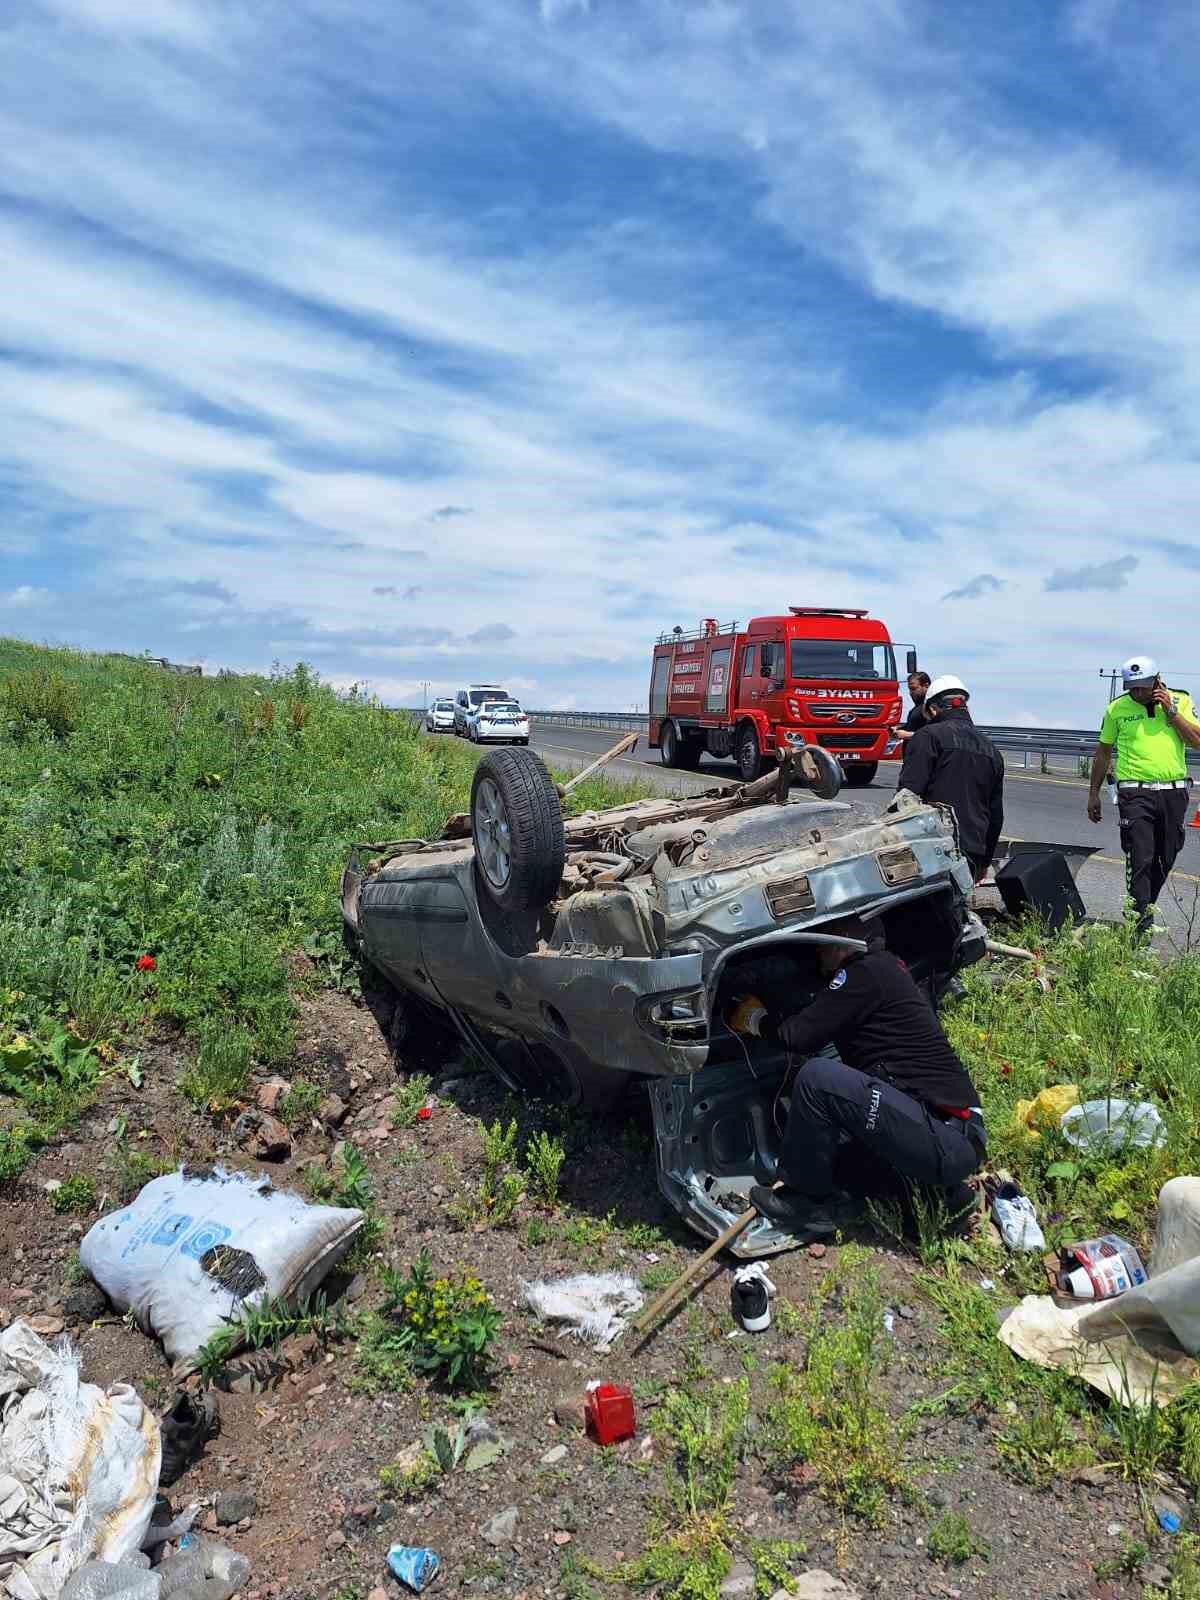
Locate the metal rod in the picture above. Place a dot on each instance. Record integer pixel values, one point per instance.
(691, 1271)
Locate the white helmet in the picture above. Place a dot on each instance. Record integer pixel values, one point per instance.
(1139, 672)
(947, 684)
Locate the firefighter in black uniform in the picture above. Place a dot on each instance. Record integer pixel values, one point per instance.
(952, 762)
(897, 1088)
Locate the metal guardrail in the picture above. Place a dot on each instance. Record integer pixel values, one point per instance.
(1077, 742)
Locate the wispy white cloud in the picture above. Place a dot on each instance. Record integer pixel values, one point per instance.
(546, 318)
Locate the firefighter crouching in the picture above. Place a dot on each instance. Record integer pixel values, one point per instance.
(1152, 728)
(897, 1089)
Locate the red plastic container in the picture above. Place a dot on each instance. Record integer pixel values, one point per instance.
(610, 1413)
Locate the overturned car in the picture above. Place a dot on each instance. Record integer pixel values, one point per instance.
(570, 955)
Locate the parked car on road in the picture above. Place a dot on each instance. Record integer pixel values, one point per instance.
(470, 699)
(498, 722)
(440, 717)
(573, 956)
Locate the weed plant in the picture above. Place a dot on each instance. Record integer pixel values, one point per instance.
(544, 1157)
(446, 1326)
(828, 1418)
(951, 1540)
(411, 1096)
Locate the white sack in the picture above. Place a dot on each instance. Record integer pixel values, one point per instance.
(592, 1306)
(78, 1467)
(199, 1244)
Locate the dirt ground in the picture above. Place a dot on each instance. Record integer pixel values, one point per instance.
(310, 1448)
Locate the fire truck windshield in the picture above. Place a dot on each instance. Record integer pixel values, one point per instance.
(841, 658)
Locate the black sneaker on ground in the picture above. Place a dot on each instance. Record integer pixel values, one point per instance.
(184, 1429)
(796, 1212)
(750, 1299)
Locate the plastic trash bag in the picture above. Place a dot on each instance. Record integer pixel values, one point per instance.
(101, 1580)
(594, 1306)
(196, 1246)
(1113, 1125)
(1046, 1111)
(78, 1467)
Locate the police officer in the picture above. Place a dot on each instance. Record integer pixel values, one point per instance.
(1152, 728)
(897, 1089)
(949, 761)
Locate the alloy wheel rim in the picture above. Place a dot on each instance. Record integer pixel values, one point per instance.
(493, 837)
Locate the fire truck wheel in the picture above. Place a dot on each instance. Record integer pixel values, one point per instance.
(749, 756)
(858, 774)
(517, 826)
(668, 745)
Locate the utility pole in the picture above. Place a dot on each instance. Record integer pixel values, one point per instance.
(424, 694)
(1113, 674)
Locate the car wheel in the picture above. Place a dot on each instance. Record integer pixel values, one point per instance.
(668, 745)
(858, 774)
(517, 826)
(749, 756)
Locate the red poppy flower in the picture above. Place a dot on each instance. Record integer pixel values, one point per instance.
(1006, 1069)
(146, 963)
(424, 1114)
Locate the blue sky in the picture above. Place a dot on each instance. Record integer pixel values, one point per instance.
(433, 342)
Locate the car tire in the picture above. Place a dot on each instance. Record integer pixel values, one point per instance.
(517, 826)
(668, 745)
(858, 774)
(749, 756)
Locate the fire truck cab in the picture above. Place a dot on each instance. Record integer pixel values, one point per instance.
(819, 675)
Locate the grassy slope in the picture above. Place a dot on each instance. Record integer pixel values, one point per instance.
(201, 822)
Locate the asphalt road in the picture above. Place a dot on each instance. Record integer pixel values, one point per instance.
(1050, 808)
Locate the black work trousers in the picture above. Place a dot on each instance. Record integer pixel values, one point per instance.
(1152, 824)
(831, 1100)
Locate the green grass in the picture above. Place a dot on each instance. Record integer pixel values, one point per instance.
(200, 822)
(1112, 1023)
(951, 1540)
(77, 1195)
(829, 1419)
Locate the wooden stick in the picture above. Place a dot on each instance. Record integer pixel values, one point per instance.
(691, 1271)
(627, 743)
(997, 949)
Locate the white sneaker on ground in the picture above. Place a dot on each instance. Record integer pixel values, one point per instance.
(1016, 1219)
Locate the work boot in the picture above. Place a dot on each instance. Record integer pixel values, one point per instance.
(184, 1428)
(796, 1213)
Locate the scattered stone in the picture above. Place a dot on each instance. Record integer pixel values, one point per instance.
(569, 1413)
(336, 1540)
(740, 1584)
(553, 1457)
(272, 1094)
(645, 1447)
(816, 1251)
(454, 1086)
(502, 1528)
(46, 1325)
(364, 1512)
(86, 1303)
(262, 1135)
(236, 1505)
(817, 1584)
(356, 1288)
(482, 1430)
(907, 1312)
(332, 1110)
(562, 1537)
(22, 1294)
(114, 1125)
(378, 1593)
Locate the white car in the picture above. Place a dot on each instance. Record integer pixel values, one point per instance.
(467, 701)
(440, 717)
(498, 722)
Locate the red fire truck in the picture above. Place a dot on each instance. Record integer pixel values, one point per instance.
(818, 675)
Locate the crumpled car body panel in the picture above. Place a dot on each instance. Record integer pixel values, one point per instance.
(663, 905)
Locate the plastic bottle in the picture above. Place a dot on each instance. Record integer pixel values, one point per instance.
(610, 1413)
(204, 1569)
